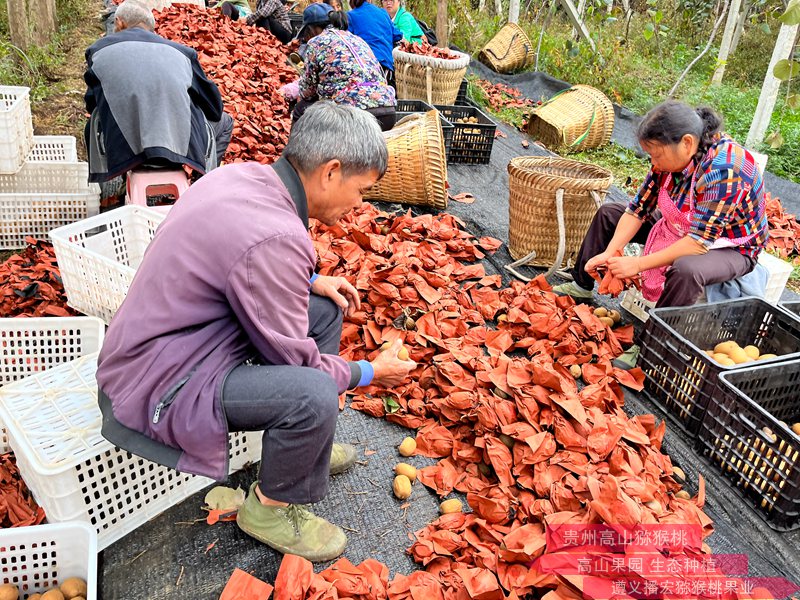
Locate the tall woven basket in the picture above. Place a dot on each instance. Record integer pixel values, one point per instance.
(510, 50)
(417, 172)
(578, 118)
(551, 203)
(435, 80)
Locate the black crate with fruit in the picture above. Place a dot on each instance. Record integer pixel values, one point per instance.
(751, 433)
(473, 134)
(683, 351)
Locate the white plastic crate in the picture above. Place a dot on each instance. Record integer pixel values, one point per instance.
(779, 272)
(29, 214)
(634, 303)
(32, 345)
(75, 474)
(51, 167)
(41, 557)
(98, 257)
(16, 127)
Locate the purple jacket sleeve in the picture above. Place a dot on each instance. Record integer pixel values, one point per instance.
(268, 290)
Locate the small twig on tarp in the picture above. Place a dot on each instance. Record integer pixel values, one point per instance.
(180, 576)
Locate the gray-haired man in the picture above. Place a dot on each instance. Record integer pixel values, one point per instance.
(150, 100)
(227, 328)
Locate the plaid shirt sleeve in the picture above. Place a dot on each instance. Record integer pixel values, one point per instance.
(724, 204)
(264, 9)
(646, 201)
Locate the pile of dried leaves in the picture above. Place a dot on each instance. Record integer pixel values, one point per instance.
(498, 406)
(500, 96)
(425, 49)
(17, 506)
(249, 66)
(784, 230)
(30, 284)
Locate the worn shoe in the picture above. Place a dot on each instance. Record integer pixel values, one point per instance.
(343, 456)
(291, 529)
(573, 289)
(628, 359)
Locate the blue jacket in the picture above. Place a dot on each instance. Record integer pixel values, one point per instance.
(374, 26)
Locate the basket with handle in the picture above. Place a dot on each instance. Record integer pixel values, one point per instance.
(417, 171)
(574, 119)
(435, 80)
(540, 187)
(509, 50)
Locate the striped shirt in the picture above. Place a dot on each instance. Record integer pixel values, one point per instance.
(729, 196)
(271, 8)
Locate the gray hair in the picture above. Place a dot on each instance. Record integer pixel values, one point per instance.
(135, 14)
(329, 131)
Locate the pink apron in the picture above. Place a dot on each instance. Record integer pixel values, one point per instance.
(672, 226)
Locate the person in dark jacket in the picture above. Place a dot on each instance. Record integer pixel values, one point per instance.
(227, 328)
(374, 26)
(150, 101)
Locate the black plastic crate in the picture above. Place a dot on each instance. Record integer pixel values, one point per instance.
(792, 307)
(413, 106)
(447, 127)
(681, 377)
(461, 98)
(747, 435)
(472, 142)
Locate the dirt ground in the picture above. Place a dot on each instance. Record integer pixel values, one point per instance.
(62, 112)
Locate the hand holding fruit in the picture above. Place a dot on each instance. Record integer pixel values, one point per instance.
(392, 365)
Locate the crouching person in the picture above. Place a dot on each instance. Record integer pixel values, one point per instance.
(227, 328)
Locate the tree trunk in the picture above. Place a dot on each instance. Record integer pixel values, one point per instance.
(513, 11)
(481, 6)
(498, 7)
(737, 33)
(441, 24)
(769, 91)
(703, 52)
(725, 44)
(31, 22)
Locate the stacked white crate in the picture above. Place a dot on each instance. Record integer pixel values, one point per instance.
(16, 128)
(51, 189)
(53, 423)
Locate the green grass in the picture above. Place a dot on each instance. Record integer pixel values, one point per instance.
(39, 68)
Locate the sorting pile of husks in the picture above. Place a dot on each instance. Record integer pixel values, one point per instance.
(425, 49)
(500, 96)
(249, 67)
(30, 284)
(784, 230)
(492, 398)
(17, 506)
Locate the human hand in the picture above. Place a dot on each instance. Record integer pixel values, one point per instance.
(624, 267)
(389, 369)
(339, 290)
(597, 261)
(290, 91)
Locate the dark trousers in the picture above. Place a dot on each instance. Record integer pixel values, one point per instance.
(296, 408)
(386, 115)
(278, 30)
(686, 278)
(223, 129)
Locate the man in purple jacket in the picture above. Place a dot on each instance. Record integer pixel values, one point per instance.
(227, 328)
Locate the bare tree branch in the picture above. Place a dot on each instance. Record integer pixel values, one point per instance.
(714, 31)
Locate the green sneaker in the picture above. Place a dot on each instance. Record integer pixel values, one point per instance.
(628, 359)
(573, 289)
(343, 456)
(291, 529)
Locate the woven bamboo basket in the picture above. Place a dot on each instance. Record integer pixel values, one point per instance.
(510, 50)
(551, 203)
(417, 172)
(435, 80)
(578, 118)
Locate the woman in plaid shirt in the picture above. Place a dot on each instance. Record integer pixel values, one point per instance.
(700, 212)
(272, 15)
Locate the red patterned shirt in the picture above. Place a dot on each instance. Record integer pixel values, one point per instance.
(729, 196)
